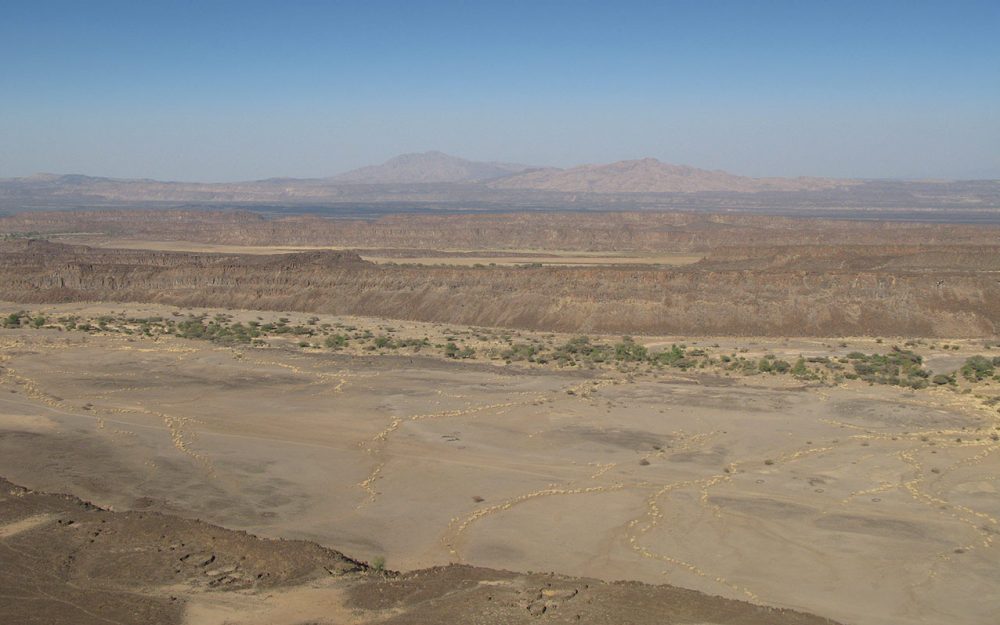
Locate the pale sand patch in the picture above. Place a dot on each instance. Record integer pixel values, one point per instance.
(26, 423)
(24, 525)
(378, 255)
(319, 603)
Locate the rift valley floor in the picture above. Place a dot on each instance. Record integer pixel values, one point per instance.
(868, 504)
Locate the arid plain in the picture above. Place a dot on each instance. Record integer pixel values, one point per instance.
(849, 477)
(757, 487)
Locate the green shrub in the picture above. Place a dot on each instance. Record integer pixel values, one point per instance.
(898, 367)
(451, 350)
(13, 320)
(780, 366)
(336, 341)
(977, 368)
(518, 351)
(630, 351)
(671, 357)
(800, 370)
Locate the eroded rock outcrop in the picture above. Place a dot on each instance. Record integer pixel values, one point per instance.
(812, 296)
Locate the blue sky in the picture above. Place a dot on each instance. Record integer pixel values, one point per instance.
(243, 90)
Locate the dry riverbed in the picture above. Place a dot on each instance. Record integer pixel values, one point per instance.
(866, 503)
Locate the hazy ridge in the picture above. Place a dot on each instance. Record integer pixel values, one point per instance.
(436, 180)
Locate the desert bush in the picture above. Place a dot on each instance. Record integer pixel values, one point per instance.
(451, 350)
(519, 351)
(977, 368)
(800, 370)
(780, 366)
(13, 320)
(630, 351)
(676, 356)
(898, 367)
(336, 341)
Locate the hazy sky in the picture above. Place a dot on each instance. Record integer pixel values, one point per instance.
(214, 90)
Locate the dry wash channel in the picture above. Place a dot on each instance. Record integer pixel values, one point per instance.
(868, 504)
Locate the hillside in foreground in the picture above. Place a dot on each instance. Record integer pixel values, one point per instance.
(69, 562)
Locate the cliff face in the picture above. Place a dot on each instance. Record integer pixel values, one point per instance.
(618, 231)
(926, 258)
(710, 298)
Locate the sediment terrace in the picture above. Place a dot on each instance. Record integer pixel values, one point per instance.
(930, 290)
(653, 231)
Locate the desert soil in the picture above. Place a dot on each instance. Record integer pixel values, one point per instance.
(69, 562)
(870, 505)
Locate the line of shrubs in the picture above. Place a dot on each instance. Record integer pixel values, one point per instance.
(899, 367)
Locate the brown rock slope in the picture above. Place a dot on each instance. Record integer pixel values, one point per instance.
(63, 561)
(892, 291)
(66, 561)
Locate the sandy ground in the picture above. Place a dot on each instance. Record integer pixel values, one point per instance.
(67, 562)
(872, 505)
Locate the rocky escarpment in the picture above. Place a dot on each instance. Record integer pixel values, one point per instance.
(925, 258)
(782, 300)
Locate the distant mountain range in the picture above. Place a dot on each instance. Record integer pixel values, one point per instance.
(649, 175)
(434, 179)
(646, 175)
(428, 167)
